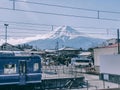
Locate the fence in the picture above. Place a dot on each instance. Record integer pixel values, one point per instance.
(99, 84)
(92, 82)
(60, 71)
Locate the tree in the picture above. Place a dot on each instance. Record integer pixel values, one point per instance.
(24, 46)
(90, 49)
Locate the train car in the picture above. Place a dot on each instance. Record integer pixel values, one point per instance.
(19, 70)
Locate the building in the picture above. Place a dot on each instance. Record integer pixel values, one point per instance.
(106, 50)
(109, 68)
(111, 41)
(85, 54)
(9, 47)
(69, 51)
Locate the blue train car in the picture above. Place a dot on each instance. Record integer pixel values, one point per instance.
(20, 70)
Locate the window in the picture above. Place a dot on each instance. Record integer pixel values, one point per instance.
(106, 77)
(36, 66)
(10, 68)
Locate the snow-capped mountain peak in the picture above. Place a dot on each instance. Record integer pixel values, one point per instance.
(66, 36)
(65, 31)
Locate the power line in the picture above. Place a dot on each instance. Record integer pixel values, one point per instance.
(30, 29)
(31, 33)
(20, 35)
(25, 23)
(72, 35)
(37, 24)
(59, 14)
(95, 28)
(69, 7)
(62, 6)
(25, 32)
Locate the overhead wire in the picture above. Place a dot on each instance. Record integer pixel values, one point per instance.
(59, 14)
(38, 24)
(30, 29)
(14, 22)
(63, 6)
(69, 7)
(78, 34)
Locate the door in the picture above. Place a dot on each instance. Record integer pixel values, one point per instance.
(22, 71)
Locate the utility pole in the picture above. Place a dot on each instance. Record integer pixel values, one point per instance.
(6, 25)
(118, 41)
(52, 27)
(57, 45)
(107, 31)
(56, 48)
(98, 14)
(13, 4)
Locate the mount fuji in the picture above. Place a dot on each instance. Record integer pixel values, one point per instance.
(66, 36)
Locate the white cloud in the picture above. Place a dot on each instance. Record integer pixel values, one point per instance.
(14, 41)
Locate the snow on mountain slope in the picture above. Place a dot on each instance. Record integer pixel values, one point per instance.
(66, 36)
(65, 31)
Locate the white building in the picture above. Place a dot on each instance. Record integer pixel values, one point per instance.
(107, 50)
(109, 68)
(85, 54)
(111, 41)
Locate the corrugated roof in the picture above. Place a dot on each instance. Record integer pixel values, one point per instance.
(85, 53)
(111, 46)
(67, 48)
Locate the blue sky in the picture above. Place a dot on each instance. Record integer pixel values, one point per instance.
(104, 5)
(17, 16)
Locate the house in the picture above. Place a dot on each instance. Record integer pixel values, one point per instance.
(9, 47)
(50, 51)
(111, 41)
(106, 50)
(69, 51)
(85, 54)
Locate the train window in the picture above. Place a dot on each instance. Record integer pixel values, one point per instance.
(36, 66)
(10, 68)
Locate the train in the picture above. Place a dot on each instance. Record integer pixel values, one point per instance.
(19, 71)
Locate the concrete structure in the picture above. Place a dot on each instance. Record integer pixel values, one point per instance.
(109, 68)
(61, 77)
(107, 50)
